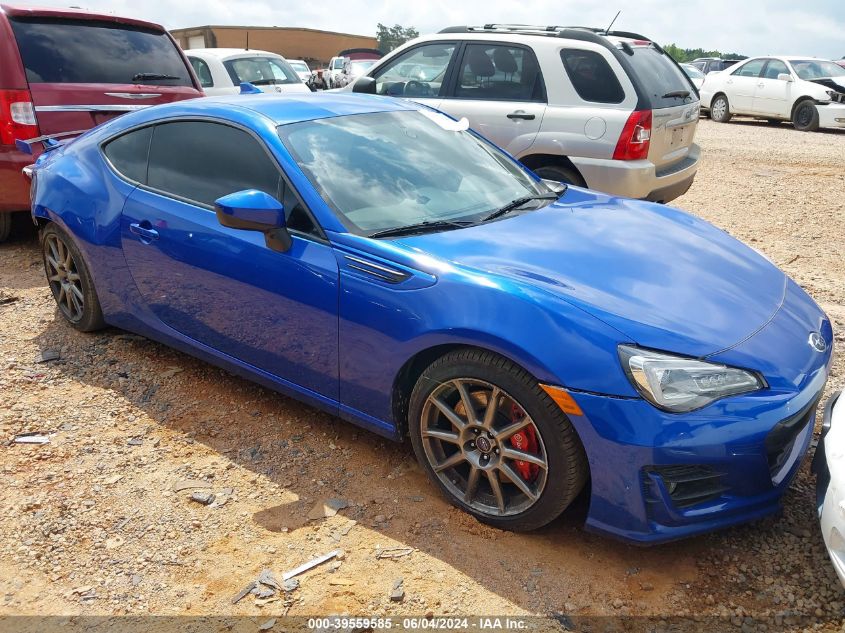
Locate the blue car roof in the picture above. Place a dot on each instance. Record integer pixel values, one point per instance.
(284, 109)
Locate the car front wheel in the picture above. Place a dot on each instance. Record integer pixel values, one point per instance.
(806, 117)
(70, 281)
(720, 110)
(494, 442)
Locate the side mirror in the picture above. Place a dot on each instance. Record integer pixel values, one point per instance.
(784, 77)
(365, 85)
(253, 210)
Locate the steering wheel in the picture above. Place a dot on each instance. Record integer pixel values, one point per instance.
(416, 88)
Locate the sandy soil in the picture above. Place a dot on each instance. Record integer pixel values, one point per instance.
(90, 523)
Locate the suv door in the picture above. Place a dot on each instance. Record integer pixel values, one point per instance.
(774, 96)
(499, 87)
(83, 72)
(221, 287)
(419, 73)
(741, 85)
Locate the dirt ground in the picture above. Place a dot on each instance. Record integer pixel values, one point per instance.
(91, 524)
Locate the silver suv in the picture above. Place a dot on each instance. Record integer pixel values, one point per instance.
(607, 110)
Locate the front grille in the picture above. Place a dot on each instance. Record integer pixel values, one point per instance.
(781, 438)
(687, 484)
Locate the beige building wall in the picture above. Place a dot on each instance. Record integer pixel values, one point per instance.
(315, 46)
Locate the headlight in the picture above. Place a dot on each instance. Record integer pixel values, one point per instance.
(679, 384)
(836, 97)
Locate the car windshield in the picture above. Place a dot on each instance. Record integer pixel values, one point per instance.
(809, 69)
(261, 71)
(386, 170)
(359, 68)
(692, 72)
(299, 67)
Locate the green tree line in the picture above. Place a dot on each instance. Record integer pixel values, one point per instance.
(682, 55)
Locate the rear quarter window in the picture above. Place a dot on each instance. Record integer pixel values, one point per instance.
(128, 154)
(658, 75)
(85, 51)
(591, 76)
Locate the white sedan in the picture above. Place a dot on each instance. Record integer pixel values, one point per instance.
(222, 70)
(808, 91)
(829, 466)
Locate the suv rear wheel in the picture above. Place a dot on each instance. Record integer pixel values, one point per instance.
(559, 173)
(720, 110)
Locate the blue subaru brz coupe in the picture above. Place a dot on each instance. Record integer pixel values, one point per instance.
(377, 260)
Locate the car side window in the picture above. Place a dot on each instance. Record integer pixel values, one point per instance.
(202, 71)
(751, 69)
(128, 154)
(201, 161)
(591, 76)
(418, 72)
(500, 72)
(774, 68)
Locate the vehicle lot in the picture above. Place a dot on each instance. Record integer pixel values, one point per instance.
(76, 539)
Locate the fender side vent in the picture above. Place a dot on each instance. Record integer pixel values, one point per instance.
(379, 271)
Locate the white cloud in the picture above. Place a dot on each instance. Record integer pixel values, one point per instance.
(753, 27)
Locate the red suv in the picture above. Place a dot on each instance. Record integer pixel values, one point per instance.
(63, 70)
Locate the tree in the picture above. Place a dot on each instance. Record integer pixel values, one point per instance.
(682, 55)
(390, 37)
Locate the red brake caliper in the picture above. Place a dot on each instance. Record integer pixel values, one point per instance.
(525, 440)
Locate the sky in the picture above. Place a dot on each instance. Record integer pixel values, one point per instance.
(749, 27)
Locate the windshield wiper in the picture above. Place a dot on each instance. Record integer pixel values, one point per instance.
(149, 76)
(681, 94)
(515, 204)
(422, 227)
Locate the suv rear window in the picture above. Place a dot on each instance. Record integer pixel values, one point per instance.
(591, 76)
(80, 51)
(659, 76)
(261, 71)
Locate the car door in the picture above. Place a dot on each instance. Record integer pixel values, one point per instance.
(773, 96)
(741, 85)
(499, 88)
(419, 73)
(225, 288)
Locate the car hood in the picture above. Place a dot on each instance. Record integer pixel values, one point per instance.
(661, 277)
(837, 84)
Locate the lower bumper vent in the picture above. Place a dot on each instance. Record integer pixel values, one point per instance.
(687, 484)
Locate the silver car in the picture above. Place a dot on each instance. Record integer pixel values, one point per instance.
(610, 111)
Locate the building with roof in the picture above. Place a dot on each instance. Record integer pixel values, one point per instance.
(315, 46)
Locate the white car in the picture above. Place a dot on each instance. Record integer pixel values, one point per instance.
(300, 68)
(332, 73)
(352, 69)
(829, 466)
(222, 70)
(808, 91)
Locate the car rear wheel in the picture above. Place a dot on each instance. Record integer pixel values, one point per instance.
(70, 281)
(559, 173)
(720, 110)
(805, 118)
(494, 442)
(5, 226)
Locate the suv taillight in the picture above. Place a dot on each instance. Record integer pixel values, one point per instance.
(634, 141)
(17, 117)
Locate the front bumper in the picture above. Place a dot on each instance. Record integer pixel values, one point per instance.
(640, 178)
(831, 115)
(658, 476)
(829, 468)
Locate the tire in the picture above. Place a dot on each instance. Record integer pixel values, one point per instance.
(558, 173)
(720, 109)
(451, 456)
(805, 117)
(70, 281)
(5, 226)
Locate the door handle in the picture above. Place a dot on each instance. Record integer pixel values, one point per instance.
(146, 233)
(761, 85)
(521, 115)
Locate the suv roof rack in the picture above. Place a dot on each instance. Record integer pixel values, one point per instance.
(552, 30)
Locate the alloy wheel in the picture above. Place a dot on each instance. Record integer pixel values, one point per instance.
(718, 109)
(484, 447)
(64, 278)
